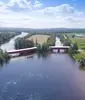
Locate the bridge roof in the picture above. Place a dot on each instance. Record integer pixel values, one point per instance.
(60, 47)
(22, 49)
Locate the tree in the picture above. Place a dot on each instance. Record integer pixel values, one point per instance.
(73, 36)
(32, 41)
(39, 48)
(36, 41)
(66, 43)
(82, 62)
(21, 43)
(6, 36)
(75, 46)
(4, 56)
(44, 48)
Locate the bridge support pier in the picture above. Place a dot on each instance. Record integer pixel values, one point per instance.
(66, 50)
(59, 50)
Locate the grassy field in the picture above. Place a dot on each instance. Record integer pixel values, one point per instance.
(80, 41)
(79, 55)
(39, 38)
(81, 45)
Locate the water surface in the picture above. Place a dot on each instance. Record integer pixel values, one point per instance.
(58, 43)
(55, 77)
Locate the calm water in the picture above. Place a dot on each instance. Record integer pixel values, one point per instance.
(52, 77)
(58, 43)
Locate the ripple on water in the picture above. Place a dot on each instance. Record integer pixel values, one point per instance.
(12, 82)
(4, 88)
(31, 75)
(32, 96)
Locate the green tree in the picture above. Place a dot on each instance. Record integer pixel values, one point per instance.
(74, 47)
(21, 43)
(43, 48)
(82, 62)
(39, 48)
(36, 41)
(6, 36)
(66, 43)
(4, 56)
(73, 36)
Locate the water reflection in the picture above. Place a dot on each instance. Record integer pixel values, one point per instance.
(28, 56)
(43, 55)
(4, 62)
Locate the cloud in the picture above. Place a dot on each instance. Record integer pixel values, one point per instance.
(1, 3)
(24, 4)
(64, 10)
(20, 3)
(34, 15)
(37, 4)
(3, 8)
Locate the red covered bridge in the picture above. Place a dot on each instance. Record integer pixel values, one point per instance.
(65, 48)
(20, 51)
(33, 49)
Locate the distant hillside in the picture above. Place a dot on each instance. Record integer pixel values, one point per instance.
(50, 30)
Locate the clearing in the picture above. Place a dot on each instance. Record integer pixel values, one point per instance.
(80, 41)
(39, 38)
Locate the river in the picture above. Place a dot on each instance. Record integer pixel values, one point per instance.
(10, 45)
(52, 77)
(58, 43)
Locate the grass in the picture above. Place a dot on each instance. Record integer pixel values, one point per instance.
(79, 56)
(80, 41)
(39, 38)
(81, 45)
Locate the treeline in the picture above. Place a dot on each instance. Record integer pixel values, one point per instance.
(73, 51)
(82, 63)
(21, 43)
(6, 36)
(4, 56)
(51, 40)
(43, 48)
(57, 30)
(65, 40)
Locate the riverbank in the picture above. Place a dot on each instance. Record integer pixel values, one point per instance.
(78, 51)
(80, 41)
(4, 57)
(6, 36)
(10, 45)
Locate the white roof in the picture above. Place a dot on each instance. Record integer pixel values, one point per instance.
(22, 49)
(59, 46)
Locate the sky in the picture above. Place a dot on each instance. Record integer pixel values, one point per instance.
(42, 13)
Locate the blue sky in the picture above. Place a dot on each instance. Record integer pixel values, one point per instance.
(42, 13)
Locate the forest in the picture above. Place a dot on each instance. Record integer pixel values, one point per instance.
(6, 36)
